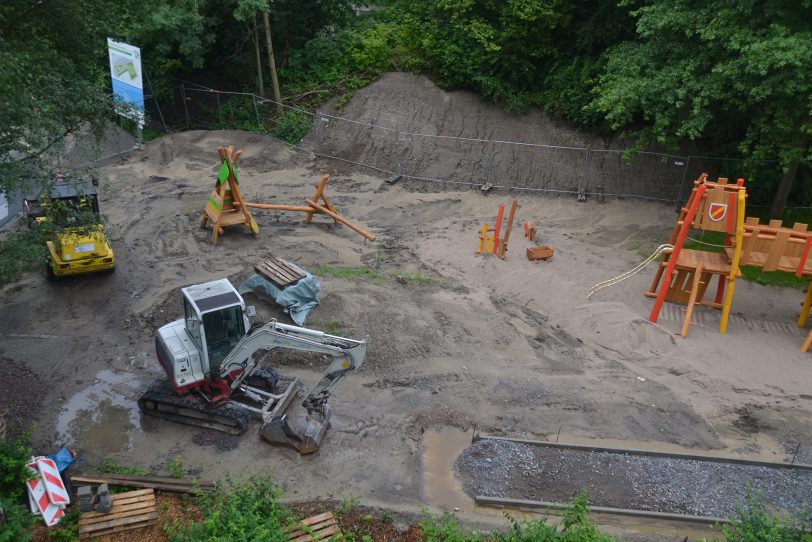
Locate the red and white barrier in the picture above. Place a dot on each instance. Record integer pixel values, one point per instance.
(40, 495)
(53, 481)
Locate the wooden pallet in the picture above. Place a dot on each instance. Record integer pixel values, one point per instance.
(318, 527)
(279, 272)
(131, 510)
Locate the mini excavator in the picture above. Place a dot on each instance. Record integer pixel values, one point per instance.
(214, 382)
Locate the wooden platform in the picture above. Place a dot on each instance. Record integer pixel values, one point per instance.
(319, 527)
(279, 272)
(131, 510)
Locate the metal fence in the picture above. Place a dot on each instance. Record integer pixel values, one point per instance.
(437, 158)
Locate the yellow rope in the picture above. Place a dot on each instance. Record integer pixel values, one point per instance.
(623, 276)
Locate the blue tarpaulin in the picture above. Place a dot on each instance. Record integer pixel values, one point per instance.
(297, 299)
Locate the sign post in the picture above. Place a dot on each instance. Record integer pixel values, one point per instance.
(128, 85)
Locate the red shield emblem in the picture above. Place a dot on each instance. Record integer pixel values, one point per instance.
(717, 211)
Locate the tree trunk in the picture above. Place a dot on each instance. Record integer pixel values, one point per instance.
(259, 60)
(782, 193)
(272, 62)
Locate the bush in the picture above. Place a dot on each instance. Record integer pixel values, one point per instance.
(246, 511)
(576, 527)
(753, 523)
(293, 126)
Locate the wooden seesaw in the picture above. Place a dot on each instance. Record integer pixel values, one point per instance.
(226, 207)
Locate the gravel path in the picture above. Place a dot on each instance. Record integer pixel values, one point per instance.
(507, 469)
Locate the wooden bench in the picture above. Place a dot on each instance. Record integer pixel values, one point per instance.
(131, 510)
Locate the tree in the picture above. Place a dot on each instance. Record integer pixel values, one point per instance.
(723, 70)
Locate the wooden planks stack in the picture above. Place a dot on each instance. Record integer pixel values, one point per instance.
(280, 272)
(131, 510)
(318, 527)
(175, 485)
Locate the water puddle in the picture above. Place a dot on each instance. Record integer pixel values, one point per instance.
(102, 418)
(440, 451)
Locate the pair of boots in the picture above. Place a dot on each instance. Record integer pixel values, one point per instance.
(101, 501)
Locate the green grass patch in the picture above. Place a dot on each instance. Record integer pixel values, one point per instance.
(349, 273)
(712, 241)
(114, 468)
(773, 278)
(331, 327)
(416, 277)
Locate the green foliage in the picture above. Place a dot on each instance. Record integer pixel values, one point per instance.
(112, 467)
(293, 126)
(723, 71)
(753, 523)
(237, 113)
(17, 520)
(237, 512)
(14, 457)
(575, 527)
(349, 504)
(68, 528)
(175, 467)
(20, 251)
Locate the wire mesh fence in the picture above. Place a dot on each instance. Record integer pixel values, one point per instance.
(439, 158)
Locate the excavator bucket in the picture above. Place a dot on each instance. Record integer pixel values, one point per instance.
(277, 430)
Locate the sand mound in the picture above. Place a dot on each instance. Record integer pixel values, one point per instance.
(615, 327)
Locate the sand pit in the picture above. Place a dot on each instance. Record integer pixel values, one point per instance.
(511, 347)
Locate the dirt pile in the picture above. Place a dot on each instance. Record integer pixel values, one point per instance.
(467, 141)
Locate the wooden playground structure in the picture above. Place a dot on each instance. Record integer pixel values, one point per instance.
(685, 274)
(226, 206)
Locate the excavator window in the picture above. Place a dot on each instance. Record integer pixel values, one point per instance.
(192, 322)
(223, 328)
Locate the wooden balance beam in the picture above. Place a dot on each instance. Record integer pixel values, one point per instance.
(313, 206)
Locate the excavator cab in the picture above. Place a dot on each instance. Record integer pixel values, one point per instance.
(215, 321)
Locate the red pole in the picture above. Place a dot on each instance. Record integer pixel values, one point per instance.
(672, 260)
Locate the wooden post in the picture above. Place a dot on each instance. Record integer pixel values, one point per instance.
(318, 195)
(497, 228)
(734, 264)
(511, 215)
(341, 219)
(272, 62)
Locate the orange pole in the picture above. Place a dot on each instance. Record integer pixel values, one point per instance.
(498, 227)
(672, 260)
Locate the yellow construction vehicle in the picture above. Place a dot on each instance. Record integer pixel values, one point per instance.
(67, 215)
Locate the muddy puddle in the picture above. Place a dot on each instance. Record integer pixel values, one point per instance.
(440, 487)
(102, 418)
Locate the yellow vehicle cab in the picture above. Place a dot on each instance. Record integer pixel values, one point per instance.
(67, 214)
(79, 252)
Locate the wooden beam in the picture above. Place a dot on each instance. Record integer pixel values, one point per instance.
(339, 218)
(277, 207)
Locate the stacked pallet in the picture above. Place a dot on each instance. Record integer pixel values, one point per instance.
(279, 272)
(320, 527)
(131, 510)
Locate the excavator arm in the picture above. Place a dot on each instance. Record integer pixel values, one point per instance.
(348, 355)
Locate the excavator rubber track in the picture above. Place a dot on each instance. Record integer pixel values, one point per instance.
(161, 401)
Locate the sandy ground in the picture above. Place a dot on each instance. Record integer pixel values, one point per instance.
(510, 347)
